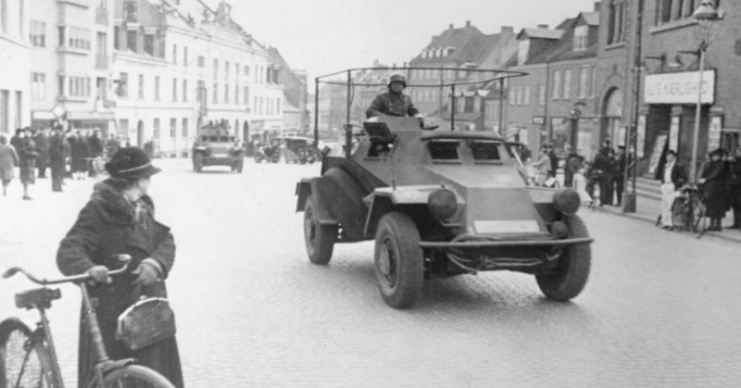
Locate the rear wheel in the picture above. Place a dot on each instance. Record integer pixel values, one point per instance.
(135, 376)
(21, 362)
(319, 238)
(399, 261)
(572, 271)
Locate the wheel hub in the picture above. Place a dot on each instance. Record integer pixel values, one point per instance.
(386, 262)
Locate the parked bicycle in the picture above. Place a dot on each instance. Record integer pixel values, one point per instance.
(28, 358)
(688, 210)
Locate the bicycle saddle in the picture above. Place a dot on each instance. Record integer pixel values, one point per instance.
(39, 298)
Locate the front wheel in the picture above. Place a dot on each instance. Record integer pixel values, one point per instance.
(21, 363)
(136, 376)
(197, 162)
(399, 260)
(319, 238)
(570, 276)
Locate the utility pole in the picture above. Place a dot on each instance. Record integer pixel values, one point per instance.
(631, 134)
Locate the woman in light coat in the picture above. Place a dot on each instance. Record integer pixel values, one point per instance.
(542, 167)
(8, 161)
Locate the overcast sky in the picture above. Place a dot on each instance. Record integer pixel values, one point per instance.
(324, 36)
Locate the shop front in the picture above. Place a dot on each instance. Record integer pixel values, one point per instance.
(670, 118)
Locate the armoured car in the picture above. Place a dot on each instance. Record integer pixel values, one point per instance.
(442, 203)
(214, 146)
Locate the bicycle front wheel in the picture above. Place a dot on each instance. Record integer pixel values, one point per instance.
(136, 376)
(21, 362)
(680, 214)
(698, 216)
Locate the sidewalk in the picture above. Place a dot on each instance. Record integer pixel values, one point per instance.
(648, 209)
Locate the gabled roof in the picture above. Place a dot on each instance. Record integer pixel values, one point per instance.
(539, 33)
(589, 18)
(465, 41)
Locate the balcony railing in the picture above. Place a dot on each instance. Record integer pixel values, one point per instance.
(101, 62)
(81, 3)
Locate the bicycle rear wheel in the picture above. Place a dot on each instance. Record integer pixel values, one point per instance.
(136, 376)
(698, 216)
(21, 363)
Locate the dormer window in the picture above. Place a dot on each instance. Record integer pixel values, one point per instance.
(523, 51)
(581, 38)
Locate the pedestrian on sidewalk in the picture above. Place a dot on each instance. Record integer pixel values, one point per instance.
(542, 167)
(600, 170)
(673, 177)
(714, 177)
(119, 219)
(42, 147)
(623, 161)
(8, 161)
(27, 156)
(57, 159)
(554, 160)
(734, 187)
(572, 166)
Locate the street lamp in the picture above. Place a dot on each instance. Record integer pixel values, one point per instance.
(705, 15)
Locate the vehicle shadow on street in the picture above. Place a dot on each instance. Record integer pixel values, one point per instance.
(510, 299)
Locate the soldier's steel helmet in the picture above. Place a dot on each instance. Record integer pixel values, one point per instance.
(397, 78)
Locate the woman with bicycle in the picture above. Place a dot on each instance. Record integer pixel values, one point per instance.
(119, 219)
(714, 177)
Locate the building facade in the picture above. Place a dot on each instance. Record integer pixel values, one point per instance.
(70, 64)
(15, 58)
(182, 65)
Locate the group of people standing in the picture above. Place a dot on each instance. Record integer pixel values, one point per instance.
(67, 154)
(607, 171)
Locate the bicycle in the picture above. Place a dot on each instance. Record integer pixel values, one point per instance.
(28, 358)
(688, 210)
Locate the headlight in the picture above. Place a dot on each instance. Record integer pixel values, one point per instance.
(566, 201)
(559, 229)
(442, 204)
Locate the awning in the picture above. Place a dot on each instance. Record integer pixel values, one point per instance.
(91, 116)
(42, 115)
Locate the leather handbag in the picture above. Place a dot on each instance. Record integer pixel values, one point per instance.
(145, 323)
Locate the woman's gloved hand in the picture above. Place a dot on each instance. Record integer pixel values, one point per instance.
(99, 274)
(147, 275)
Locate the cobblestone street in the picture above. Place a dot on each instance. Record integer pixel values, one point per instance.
(660, 310)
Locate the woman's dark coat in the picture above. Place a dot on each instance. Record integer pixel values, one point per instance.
(27, 155)
(106, 227)
(79, 153)
(715, 175)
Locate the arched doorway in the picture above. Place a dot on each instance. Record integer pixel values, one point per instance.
(140, 134)
(612, 113)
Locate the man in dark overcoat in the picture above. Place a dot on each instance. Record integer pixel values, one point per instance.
(57, 159)
(734, 187)
(601, 168)
(571, 166)
(95, 149)
(42, 147)
(623, 161)
(119, 219)
(27, 155)
(79, 155)
(714, 177)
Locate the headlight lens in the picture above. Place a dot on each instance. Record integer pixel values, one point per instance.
(566, 201)
(442, 204)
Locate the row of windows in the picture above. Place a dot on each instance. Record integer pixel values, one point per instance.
(180, 90)
(561, 88)
(436, 74)
(74, 37)
(671, 10)
(123, 127)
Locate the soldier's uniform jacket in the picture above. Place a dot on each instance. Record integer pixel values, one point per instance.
(392, 104)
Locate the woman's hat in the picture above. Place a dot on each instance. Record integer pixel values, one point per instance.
(131, 163)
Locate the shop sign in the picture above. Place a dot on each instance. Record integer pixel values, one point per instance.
(538, 120)
(716, 124)
(679, 88)
(641, 136)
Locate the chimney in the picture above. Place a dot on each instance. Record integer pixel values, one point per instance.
(468, 23)
(597, 6)
(543, 26)
(451, 26)
(508, 30)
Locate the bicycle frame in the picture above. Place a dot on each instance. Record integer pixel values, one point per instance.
(43, 335)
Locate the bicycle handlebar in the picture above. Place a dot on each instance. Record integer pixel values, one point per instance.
(126, 259)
